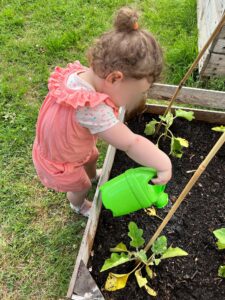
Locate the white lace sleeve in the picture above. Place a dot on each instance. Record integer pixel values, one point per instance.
(96, 119)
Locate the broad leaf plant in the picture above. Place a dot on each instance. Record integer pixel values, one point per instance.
(121, 254)
(176, 143)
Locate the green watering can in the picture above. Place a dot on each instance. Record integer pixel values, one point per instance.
(131, 191)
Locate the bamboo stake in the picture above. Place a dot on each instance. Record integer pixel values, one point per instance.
(187, 188)
(211, 38)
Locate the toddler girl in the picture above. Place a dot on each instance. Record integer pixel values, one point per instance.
(82, 104)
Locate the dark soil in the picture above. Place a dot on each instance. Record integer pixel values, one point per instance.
(203, 210)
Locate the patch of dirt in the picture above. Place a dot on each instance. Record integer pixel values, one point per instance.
(203, 210)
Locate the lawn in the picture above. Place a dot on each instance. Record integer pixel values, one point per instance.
(39, 234)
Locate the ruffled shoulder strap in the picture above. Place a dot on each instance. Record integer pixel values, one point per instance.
(75, 98)
(57, 80)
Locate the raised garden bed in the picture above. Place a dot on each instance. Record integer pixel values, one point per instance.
(191, 277)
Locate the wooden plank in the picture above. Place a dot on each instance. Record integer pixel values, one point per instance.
(85, 284)
(217, 60)
(211, 66)
(202, 36)
(91, 227)
(200, 114)
(204, 30)
(209, 13)
(219, 46)
(214, 72)
(216, 65)
(201, 97)
(222, 33)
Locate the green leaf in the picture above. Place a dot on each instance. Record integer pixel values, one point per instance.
(177, 145)
(188, 115)
(220, 246)
(150, 127)
(176, 148)
(219, 128)
(115, 282)
(172, 252)
(168, 119)
(160, 245)
(136, 235)
(142, 281)
(115, 260)
(221, 271)
(157, 261)
(142, 256)
(121, 247)
(220, 235)
(150, 273)
(183, 142)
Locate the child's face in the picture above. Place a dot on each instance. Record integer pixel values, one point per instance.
(122, 91)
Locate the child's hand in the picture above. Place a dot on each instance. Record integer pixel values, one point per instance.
(163, 177)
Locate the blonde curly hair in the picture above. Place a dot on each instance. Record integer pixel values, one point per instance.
(128, 49)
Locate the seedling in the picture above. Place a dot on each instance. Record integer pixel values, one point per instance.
(151, 211)
(120, 255)
(220, 235)
(177, 144)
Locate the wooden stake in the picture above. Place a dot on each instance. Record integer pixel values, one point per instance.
(211, 38)
(187, 188)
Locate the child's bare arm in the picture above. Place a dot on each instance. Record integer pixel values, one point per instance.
(139, 149)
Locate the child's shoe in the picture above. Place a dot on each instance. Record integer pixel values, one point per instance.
(84, 209)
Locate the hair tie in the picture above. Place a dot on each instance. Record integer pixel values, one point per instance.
(135, 26)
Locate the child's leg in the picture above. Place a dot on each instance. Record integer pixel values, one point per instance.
(78, 202)
(90, 166)
(90, 169)
(77, 198)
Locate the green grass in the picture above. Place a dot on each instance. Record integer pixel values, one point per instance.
(39, 234)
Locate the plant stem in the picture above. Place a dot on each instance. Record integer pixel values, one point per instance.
(159, 217)
(166, 136)
(160, 138)
(151, 258)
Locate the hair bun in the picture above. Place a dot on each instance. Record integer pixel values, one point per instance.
(126, 20)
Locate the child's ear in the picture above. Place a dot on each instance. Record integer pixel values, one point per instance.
(115, 76)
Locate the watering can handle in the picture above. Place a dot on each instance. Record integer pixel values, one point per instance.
(149, 173)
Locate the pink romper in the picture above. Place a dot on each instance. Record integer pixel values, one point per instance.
(62, 146)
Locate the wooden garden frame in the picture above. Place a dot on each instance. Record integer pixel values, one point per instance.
(209, 13)
(206, 99)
